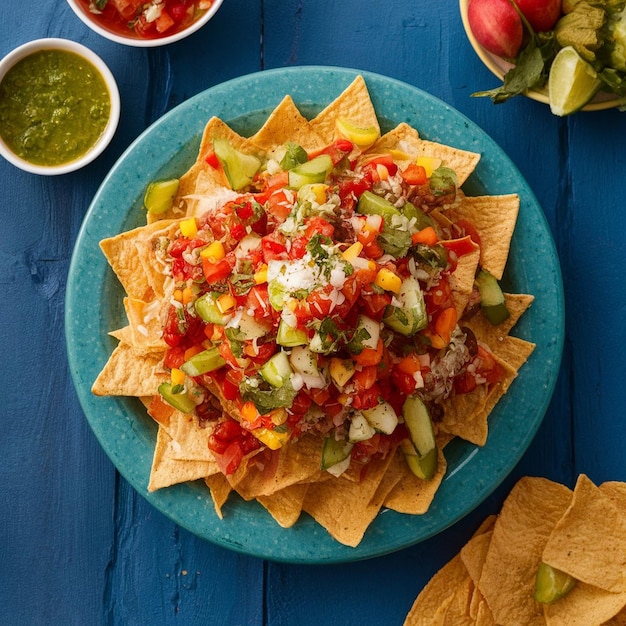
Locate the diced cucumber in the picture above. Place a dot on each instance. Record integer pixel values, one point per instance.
(178, 399)
(277, 370)
(492, 300)
(423, 467)
(366, 334)
(304, 361)
(203, 362)
(382, 417)
(206, 308)
(335, 451)
(551, 584)
(422, 220)
(252, 328)
(422, 445)
(360, 428)
(160, 195)
(294, 155)
(277, 295)
(239, 167)
(410, 316)
(289, 337)
(314, 171)
(371, 204)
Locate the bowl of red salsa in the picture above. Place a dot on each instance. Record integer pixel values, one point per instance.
(145, 23)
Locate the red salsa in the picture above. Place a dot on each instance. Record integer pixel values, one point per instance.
(145, 19)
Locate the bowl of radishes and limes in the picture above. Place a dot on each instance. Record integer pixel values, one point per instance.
(518, 41)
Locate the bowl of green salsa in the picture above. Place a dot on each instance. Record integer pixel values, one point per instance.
(59, 106)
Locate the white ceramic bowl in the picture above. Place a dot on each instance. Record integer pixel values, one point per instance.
(134, 40)
(103, 141)
(498, 66)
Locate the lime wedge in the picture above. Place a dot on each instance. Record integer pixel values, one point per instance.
(160, 195)
(572, 82)
(551, 584)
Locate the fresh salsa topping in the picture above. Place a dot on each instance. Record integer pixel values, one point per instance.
(314, 313)
(320, 305)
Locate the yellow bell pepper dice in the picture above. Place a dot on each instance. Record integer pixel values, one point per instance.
(363, 137)
(177, 376)
(214, 252)
(273, 439)
(189, 228)
(430, 164)
(387, 280)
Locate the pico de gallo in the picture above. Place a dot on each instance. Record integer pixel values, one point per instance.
(146, 19)
(319, 300)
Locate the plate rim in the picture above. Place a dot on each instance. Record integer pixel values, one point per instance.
(328, 550)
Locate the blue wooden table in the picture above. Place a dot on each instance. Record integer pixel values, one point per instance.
(78, 545)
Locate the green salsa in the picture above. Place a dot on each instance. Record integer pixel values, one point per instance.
(54, 105)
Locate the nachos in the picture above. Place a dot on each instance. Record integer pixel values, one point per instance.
(314, 312)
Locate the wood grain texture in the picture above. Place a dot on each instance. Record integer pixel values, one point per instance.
(77, 544)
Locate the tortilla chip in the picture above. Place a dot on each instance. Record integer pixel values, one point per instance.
(342, 506)
(494, 218)
(589, 541)
(462, 280)
(121, 254)
(520, 533)
(411, 494)
(167, 471)
(126, 375)
(285, 505)
(464, 416)
(354, 104)
(438, 595)
(215, 127)
(406, 139)
(190, 440)
(220, 490)
(474, 553)
(276, 470)
(584, 605)
(146, 334)
(286, 124)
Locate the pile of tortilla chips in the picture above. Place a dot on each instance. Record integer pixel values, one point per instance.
(492, 580)
(289, 480)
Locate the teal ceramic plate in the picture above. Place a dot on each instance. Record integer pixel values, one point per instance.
(94, 307)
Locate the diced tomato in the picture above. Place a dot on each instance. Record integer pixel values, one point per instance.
(336, 150)
(460, 247)
(370, 356)
(319, 396)
(164, 22)
(274, 246)
(212, 160)
(301, 404)
(365, 377)
(371, 168)
(174, 357)
(439, 296)
(351, 189)
(403, 381)
(278, 205)
(367, 398)
(318, 226)
(319, 304)
(415, 174)
(215, 272)
(467, 228)
(375, 304)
